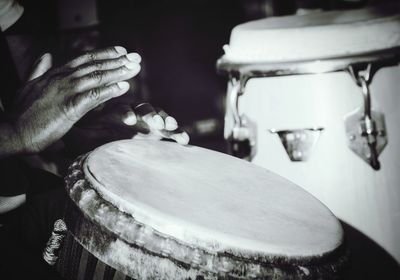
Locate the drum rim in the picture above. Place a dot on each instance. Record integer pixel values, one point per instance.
(247, 70)
(76, 185)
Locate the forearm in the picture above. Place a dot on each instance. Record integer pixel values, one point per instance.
(9, 141)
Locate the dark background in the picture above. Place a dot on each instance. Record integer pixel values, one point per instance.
(180, 42)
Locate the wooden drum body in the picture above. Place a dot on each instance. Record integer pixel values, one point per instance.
(298, 118)
(157, 210)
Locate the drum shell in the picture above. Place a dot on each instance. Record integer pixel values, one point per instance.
(368, 200)
(75, 259)
(97, 247)
(93, 250)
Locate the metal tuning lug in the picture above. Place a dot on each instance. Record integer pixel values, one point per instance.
(366, 136)
(242, 140)
(299, 143)
(240, 134)
(365, 128)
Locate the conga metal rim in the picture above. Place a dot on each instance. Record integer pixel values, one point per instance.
(245, 71)
(228, 263)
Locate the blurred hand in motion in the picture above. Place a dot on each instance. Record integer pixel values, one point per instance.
(119, 119)
(56, 98)
(154, 123)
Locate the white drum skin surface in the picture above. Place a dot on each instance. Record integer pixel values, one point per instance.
(195, 194)
(316, 35)
(175, 211)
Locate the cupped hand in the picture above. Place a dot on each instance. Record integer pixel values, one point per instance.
(49, 105)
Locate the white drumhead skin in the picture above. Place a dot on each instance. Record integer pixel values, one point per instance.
(315, 36)
(211, 200)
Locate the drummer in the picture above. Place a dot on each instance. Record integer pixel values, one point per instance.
(44, 110)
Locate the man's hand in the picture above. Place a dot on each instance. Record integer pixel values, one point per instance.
(49, 105)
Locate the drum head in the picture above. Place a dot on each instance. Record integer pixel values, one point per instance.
(315, 36)
(211, 200)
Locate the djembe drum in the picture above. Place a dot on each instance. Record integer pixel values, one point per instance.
(315, 99)
(157, 210)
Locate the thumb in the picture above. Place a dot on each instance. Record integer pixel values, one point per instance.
(41, 66)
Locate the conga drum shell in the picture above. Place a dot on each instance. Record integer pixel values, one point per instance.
(288, 97)
(365, 198)
(158, 210)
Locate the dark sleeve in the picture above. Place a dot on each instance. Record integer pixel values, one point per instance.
(8, 74)
(12, 178)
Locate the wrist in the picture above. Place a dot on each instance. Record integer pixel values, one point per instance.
(10, 141)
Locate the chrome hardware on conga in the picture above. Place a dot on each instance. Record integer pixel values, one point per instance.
(365, 128)
(335, 70)
(242, 134)
(299, 143)
(157, 210)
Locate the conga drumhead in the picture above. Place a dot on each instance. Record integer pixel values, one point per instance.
(316, 35)
(212, 200)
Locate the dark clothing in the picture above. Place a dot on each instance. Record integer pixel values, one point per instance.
(24, 239)
(9, 77)
(25, 230)
(13, 181)
(12, 169)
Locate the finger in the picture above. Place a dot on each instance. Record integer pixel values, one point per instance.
(42, 65)
(129, 118)
(101, 78)
(170, 122)
(180, 136)
(106, 64)
(108, 53)
(149, 115)
(86, 101)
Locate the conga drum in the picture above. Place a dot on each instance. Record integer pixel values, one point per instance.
(156, 210)
(315, 98)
